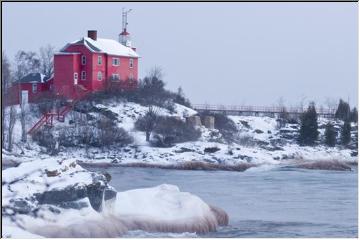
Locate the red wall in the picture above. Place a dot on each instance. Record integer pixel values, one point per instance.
(79, 48)
(12, 95)
(64, 68)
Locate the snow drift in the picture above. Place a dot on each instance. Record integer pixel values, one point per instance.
(159, 209)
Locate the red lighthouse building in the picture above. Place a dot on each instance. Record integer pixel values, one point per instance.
(90, 64)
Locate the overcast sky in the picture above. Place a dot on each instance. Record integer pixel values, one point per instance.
(220, 53)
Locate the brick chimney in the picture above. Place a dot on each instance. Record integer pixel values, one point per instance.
(92, 34)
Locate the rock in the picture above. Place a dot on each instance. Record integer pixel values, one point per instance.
(258, 131)
(245, 123)
(95, 194)
(325, 165)
(211, 149)
(183, 149)
(109, 194)
(21, 206)
(73, 205)
(71, 193)
(53, 173)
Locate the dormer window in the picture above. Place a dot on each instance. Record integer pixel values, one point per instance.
(83, 60)
(131, 63)
(115, 61)
(99, 60)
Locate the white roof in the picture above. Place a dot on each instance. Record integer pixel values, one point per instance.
(108, 46)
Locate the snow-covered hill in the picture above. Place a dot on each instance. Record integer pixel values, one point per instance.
(261, 142)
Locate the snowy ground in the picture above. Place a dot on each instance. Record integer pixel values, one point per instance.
(263, 144)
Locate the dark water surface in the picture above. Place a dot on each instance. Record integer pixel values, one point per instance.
(278, 202)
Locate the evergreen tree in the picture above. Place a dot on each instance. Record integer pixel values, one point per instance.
(346, 133)
(330, 135)
(354, 115)
(343, 111)
(309, 127)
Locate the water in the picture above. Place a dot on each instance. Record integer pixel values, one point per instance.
(280, 202)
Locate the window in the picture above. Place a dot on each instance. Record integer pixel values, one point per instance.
(115, 61)
(131, 63)
(99, 60)
(75, 78)
(83, 75)
(83, 59)
(131, 76)
(34, 88)
(115, 77)
(99, 76)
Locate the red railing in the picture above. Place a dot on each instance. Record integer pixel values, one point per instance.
(48, 119)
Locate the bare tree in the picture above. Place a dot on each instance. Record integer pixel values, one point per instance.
(47, 60)
(25, 63)
(331, 103)
(5, 83)
(23, 121)
(147, 123)
(12, 120)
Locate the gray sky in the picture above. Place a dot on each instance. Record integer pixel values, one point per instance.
(220, 53)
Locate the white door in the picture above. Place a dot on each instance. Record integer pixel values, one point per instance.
(24, 97)
(75, 78)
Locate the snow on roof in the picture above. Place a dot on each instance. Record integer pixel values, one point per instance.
(108, 46)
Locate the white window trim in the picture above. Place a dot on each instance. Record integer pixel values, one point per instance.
(99, 74)
(118, 61)
(99, 60)
(131, 63)
(34, 88)
(83, 60)
(83, 75)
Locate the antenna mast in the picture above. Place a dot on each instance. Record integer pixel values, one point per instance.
(124, 18)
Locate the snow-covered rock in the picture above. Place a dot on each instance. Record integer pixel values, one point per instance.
(163, 208)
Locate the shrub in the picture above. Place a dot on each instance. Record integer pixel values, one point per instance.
(346, 133)
(343, 111)
(45, 138)
(225, 125)
(309, 127)
(330, 135)
(150, 91)
(174, 130)
(170, 130)
(104, 133)
(354, 115)
(109, 133)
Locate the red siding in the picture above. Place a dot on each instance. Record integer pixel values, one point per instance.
(12, 95)
(66, 64)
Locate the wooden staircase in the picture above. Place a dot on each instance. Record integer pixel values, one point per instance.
(48, 118)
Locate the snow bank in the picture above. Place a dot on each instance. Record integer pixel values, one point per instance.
(42, 175)
(163, 208)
